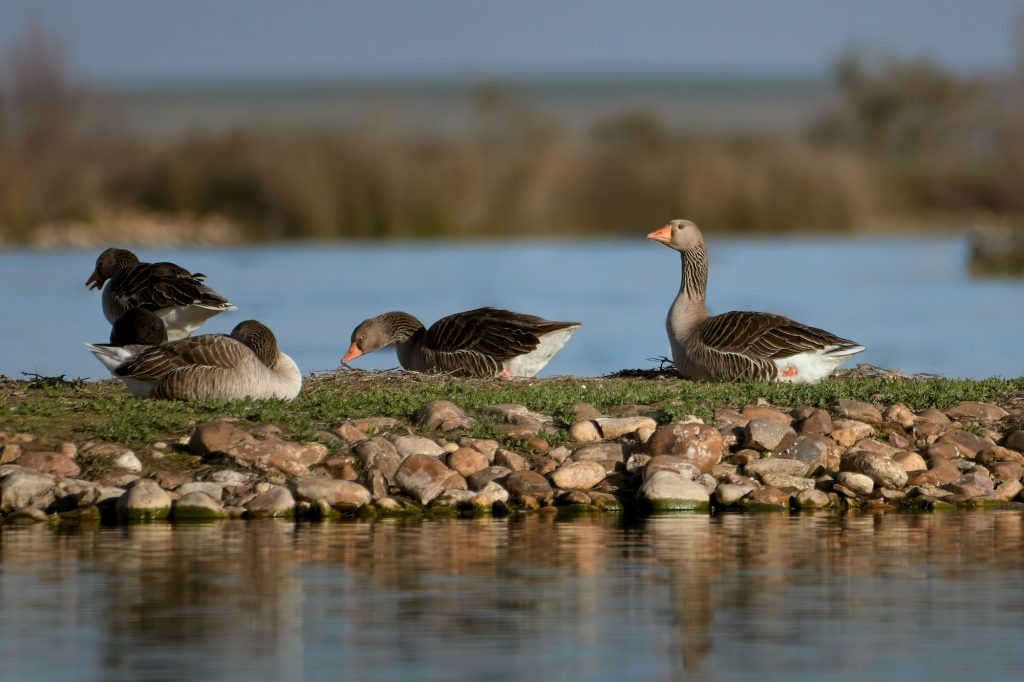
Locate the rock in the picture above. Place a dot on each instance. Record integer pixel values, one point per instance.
(343, 495)
(415, 445)
(481, 478)
(486, 446)
(768, 498)
(751, 412)
(349, 434)
(293, 459)
(970, 409)
(910, 461)
(584, 432)
(1007, 490)
(933, 416)
(670, 463)
(144, 500)
(372, 425)
(9, 453)
(967, 444)
(816, 452)
(809, 498)
(858, 483)
(1007, 471)
(379, 453)
(26, 488)
(643, 434)
(882, 470)
(97, 495)
(846, 432)
(819, 422)
(578, 475)
(900, 414)
(857, 410)
(875, 446)
(230, 477)
(467, 461)
(574, 498)
(510, 460)
(523, 483)
(453, 497)
(583, 411)
(443, 415)
(538, 445)
(559, 454)
(725, 416)
(937, 475)
(787, 481)
(128, 461)
(765, 434)
(389, 505)
(198, 506)
(218, 438)
(276, 502)
(971, 485)
(728, 494)
(489, 495)
(600, 452)
(942, 451)
(699, 444)
(997, 454)
(521, 422)
(50, 463)
(775, 465)
(668, 491)
(422, 477)
(614, 428)
(1015, 441)
(24, 517)
(211, 488)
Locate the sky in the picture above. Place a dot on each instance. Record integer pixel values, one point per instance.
(147, 42)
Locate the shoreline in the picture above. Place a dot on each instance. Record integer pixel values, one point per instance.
(365, 444)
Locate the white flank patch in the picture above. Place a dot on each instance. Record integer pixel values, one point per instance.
(181, 321)
(113, 357)
(528, 365)
(813, 366)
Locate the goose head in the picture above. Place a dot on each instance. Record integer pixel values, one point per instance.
(138, 326)
(259, 338)
(678, 234)
(372, 334)
(108, 264)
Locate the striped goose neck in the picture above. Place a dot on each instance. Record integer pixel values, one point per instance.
(401, 327)
(694, 283)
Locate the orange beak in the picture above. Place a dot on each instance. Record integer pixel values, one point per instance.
(352, 354)
(664, 235)
(94, 281)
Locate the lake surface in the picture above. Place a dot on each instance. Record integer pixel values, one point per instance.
(805, 597)
(909, 301)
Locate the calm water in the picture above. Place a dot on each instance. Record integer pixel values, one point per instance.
(810, 597)
(908, 300)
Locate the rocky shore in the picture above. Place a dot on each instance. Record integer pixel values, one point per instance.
(632, 458)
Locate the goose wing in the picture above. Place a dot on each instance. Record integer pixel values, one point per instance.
(763, 336)
(163, 285)
(209, 351)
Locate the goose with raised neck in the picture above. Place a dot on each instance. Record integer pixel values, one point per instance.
(739, 345)
(485, 342)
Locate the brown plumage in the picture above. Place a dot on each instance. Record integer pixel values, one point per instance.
(486, 342)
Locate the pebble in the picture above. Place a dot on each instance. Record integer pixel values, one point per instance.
(415, 445)
(492, 473)
(50, 463)
(882, 470)
(846, 432)
(600, 452)
(910, 461)
(858, 410)
(196, 506)
(775, 465)
(729, 494)
(967, 444)
(211, 488)
(818, 422)
(578, 475)
(1015, 441)
(669, 491)
(422, 477)
(815, 451)
(467, 461)
(489, 495)
(510, 460)
(342, 495)
(751, 412)
(276, 502)
(144, 500)
(670, 463)
(810, 498)
(787, 481)
(699, 444)
(614, 428)
(765, 434)
(858, 483)
(901, 415)
(443, 415)
(584, 432)
(522, 483)
(128, 461)
(970, 409)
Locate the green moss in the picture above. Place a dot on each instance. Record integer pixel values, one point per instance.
(661, 506)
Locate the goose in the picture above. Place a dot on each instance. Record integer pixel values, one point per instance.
(486, 342)
(245, 364)
(737, 346)
(176, 295)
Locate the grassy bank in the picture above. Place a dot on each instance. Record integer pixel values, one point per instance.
(57, 412)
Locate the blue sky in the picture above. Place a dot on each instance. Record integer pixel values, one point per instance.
(135, 41)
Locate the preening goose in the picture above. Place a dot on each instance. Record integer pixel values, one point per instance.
(739, 345)
(176, 295)
(136, 331)
(485, 342)
(246, 364)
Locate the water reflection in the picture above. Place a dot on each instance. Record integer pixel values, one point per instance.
(694, 597)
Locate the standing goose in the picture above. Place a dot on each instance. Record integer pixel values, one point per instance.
(245, 364)
(176, 295)
(739, 345)
(485, 342)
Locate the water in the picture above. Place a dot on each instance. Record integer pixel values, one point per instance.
(909, 301)
(805, 597)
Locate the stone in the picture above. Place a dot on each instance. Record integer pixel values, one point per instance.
(97, 495)
(584, 432)
(972, 485)
(467, 461)
(276, 502)
(810, 498)
(729, 494)
(815, 451)
(230, 477)
(24, 517)
(775, 465)
(967, 444)
(372, 425)
(197, 506)
(560, 454)
(668, 491)
(211, 488)
(584, 411)
(453, 497)
(1007, 490)
(910, 461)
(699, 444)
(725, 416)
(858, 483)
(670, 463)
(26, 488)
(575, 498)
(421, 476)
(997, 454)
(144, 500)
(600, 452)
(218, 438)
(765, 434)
(510, 460)
(128, 461)
(787, 481)
(50, 463)
(455, 481)
(941, 451)
(846, 432)
(492, 473)
(293, 459)
(937, 475)
(578, 475)
(933, 416)
(614, 428)
(751, 412)
(1015, 441)
(1006, 471)
(443, 415)
(348, 433)
(971, 409)
(379, 453)
(415, 445)
(882, 470)
(389, 505)
(901, 415)
(819, 422)
(489, 495)
(875, 446)
(523, 483)
(857, 410)
(9, 453)
(769, 495)
(538, 445)
(486, 446)
(344, 495)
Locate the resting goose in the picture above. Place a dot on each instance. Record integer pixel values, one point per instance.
(136, 331)
(485, 342)
(245, 364)
(739, 345)
(176, 295)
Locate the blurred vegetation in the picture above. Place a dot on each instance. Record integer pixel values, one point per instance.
(904, 142)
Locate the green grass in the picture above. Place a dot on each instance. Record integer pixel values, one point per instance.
(106, 411)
